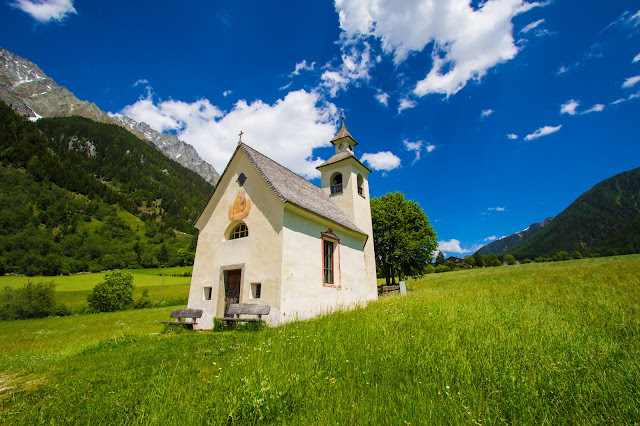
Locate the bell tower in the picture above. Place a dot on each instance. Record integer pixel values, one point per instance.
(345, 180)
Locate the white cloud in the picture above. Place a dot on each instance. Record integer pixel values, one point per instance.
(453, 246)
(490, 238)
(486, 113)
(303, 66)
(287, 131)
(496, 209)
(46, 10)
(226, 93)
(139, 82)
(562, 70)
(595, 108)
(628, 98)
(382, 97)
(636, 59)
(384, 161)
(415, 147)
(626, 19)
(531, 26)
(631, 81)
(512, 136)
(405, 104)
(355, 66)
(466, 41)
(570, 107)
(542, 131)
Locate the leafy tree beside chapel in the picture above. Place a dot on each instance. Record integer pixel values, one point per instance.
(403, 239)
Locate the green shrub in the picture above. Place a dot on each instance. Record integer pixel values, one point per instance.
(561, 255)
(576, 255)
(34, 300)
(442, 268)
(144, 301)
(525, 261)
(115, 293)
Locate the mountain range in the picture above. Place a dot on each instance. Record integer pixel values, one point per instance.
(32, 93)
(504, 244)
(603, 221)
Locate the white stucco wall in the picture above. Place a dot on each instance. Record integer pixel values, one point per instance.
(259, 255)
(303, 293)
(357, 208)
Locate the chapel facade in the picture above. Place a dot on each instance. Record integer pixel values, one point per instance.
(269, 236)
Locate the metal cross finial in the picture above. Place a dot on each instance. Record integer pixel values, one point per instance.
(342, 115)
(240, 134)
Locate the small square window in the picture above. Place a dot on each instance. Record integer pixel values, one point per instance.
(256, 290)
(207, 293)
(241, 179)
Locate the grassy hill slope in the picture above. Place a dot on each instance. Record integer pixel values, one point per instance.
(538, 343)
(167, 285)
(603, 220)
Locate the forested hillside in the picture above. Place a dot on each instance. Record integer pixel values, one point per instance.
(603, 221)
(78, 195)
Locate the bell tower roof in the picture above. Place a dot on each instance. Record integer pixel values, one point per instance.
(344, 143)
(343, 133)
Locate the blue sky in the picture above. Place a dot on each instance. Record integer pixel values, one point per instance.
(491, 115)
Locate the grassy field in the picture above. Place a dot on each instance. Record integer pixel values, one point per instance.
(539, 343)
(72, 290)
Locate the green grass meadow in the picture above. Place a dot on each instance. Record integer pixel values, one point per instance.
(552, 343)
(72, 290)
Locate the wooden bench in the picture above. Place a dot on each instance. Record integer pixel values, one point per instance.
(180, 314)
(236, 309)
(384, 289)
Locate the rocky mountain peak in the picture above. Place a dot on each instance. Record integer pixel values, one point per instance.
(173, 148)
(32, 93)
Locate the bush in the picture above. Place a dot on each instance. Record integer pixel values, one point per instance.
(34, 300)
(509, 259)
(115, 293)
(442, 268)
(144, 301)
(525, 261)
(560, 256)
(542, 259)
(576, 255)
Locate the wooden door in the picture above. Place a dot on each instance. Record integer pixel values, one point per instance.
(231, 288)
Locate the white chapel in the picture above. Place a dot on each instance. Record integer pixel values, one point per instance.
(271, 237)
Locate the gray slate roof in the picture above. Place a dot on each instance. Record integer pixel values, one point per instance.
(291, 188)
